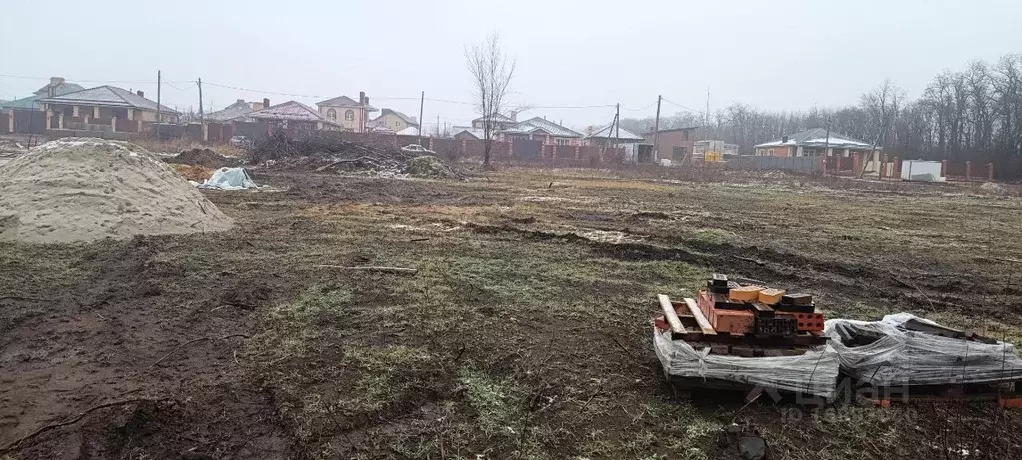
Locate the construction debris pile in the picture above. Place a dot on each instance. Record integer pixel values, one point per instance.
(736, 335)
(332, 154)
(903, 349)
(86, 188)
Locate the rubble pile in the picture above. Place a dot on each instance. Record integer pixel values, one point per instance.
(85, 189)
(332, 154)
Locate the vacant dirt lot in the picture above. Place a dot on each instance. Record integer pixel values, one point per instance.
(525, 332)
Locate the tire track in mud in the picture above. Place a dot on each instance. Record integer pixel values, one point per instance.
(855, 281)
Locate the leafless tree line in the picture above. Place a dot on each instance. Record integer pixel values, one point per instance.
(970, 115)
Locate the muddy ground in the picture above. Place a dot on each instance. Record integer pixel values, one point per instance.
(525, 332)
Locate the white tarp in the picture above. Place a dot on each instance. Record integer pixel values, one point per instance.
(814, 372)
(898, 356)
(229, 179)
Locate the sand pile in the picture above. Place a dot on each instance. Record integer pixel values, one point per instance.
(86, 188)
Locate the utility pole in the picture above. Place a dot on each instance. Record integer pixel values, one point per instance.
(617, 122)
(159, 80)
(202, 118)
(422, 101)
(437, 125)
(826, 147)
(656, 131)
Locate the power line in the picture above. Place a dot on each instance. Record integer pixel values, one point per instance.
(639, 110)
(85, 81)
(682, 106)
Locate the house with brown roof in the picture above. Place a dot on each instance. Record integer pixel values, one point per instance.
(105, 108)
(293, 115)
(347, 113)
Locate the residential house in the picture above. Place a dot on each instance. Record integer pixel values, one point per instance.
(613, 135)
(813, 142)
(672, 144)
(540, 129)
(237, 111)
(105, 107)
(505, 129)
(347, 113)
(467, 133)
(392, 120)
(56, 87)
(496, 120)
(294, 115)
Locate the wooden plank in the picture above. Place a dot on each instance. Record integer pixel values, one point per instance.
(670, 314)
(704, 324)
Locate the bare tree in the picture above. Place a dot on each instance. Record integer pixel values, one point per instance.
(881, 106)
(491, 72)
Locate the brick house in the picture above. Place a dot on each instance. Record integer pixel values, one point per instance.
(347, 113)
(815, 142)
(105, 108)
(673, 144)
(540, 129)
(506, 129)
(293, 115)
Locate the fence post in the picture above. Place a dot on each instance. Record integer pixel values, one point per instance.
(837, 163)
(576, 152)
(943, 168)
(113, 124)
(897, 169)
(990, 172)
(968, 171)
(856, 163)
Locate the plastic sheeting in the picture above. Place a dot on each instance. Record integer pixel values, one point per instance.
(901, 357)
(229, 179)
(814, 372)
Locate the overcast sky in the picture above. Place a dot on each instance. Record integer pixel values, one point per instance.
(771, 54)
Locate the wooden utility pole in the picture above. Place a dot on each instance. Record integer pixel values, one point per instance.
(422, 101)
(438, 125)
(159, 80)
(656, 131)
(826, 148)
(202, 118)
(617, 123)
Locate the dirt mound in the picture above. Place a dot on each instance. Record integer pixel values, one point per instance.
(193, 172)
(200, 157)
(87, 188)
(330, 153)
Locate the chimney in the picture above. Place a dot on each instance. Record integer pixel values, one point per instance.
(56, 81)
(514, 115)
(241, 100)
(140, 93)
(266, 102)
(361, 97)
(784, 139)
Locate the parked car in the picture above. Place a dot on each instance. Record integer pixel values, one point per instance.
(416, 148)
(241, 141)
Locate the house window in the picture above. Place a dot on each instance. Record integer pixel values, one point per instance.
(331, 114)
(563, 141)
(349, 115)
(770, 152)
(807, 152)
